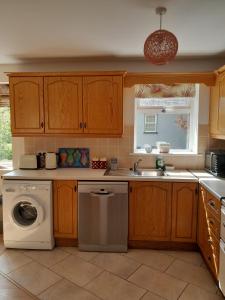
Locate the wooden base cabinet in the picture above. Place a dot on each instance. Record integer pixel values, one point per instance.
(209, 229)
(65, 209)
(163, 212)
(184, 211)
(150, 211)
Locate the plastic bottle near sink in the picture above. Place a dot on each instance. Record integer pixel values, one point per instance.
(160, 164)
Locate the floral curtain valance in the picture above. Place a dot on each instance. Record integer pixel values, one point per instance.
(164, 91)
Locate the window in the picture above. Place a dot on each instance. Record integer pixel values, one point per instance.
(150, 124)
(5, 130)
(171, 116)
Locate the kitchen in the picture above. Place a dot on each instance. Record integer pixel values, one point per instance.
(162, 219)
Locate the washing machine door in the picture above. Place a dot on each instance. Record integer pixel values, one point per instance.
(26, 212)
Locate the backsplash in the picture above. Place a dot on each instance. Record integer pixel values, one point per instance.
(121, 147)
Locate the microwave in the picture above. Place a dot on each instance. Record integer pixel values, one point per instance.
(215, 162)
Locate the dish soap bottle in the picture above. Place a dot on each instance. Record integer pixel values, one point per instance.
(160, 164)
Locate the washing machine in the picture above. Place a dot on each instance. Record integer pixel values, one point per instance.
(27, 214)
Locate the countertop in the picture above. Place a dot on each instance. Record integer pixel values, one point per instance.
(94, 174)
(214, 185)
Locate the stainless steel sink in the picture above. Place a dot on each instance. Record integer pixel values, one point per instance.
(138, 173)
(150, 173)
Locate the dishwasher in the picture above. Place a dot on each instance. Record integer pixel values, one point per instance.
(102, 216)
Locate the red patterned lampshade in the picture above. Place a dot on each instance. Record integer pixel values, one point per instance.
(160, 46)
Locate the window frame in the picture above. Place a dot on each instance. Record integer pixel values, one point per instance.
(193, 133)
(150, 123)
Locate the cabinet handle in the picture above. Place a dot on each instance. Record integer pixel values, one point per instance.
(75, 188)
(213, 205)
(85, 125)
(81, 125)
(131, 190)
(42, 124)
(211, 222)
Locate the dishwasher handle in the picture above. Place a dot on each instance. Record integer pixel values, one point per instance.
(100, 194)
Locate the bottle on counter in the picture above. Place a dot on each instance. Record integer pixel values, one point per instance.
(160, 164)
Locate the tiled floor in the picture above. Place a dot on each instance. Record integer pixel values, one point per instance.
(66, 273)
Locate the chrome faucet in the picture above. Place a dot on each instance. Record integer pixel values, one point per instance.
(136, 164)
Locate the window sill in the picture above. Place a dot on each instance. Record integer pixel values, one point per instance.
(172, 153)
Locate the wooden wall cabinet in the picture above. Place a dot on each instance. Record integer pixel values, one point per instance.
(27, 111)
(150, 211)
(63, 104)
(65, 209)
(67, 104)
(103, 107)
(209, 229)
(184, 211)
(217, 108)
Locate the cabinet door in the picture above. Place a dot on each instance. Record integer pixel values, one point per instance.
(184, 211)
(221, 119)
(26, 97)
(202, 221)
(65, 209)
(63, 104)
(214, 109)
(103, 104)
(150, 211)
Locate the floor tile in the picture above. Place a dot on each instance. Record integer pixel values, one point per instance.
(195, 293)
(34, 277)
(116, 263)
(11, 260)
(151, 258)
(77, 270)
(192, 274)
(159, 283)
(47, 257)
(68, 291)
(150, 296)
(192, 257)
(82, 254)
(9, 291)
(110, 287)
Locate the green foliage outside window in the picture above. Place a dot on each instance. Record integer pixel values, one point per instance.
(5, 134)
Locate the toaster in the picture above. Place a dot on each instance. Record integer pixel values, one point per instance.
(28, 161)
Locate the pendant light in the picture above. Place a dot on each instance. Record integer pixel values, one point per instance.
(160, 46)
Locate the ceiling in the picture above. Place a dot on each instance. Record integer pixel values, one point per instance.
(42, 29)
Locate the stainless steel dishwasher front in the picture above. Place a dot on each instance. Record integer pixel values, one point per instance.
(103, 216)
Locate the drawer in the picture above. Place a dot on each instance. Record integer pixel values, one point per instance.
(213, 205)
(213, 224)
(211, 254)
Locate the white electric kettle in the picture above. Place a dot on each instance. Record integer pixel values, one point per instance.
(50, 161)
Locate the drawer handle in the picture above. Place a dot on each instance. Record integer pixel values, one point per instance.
(210, 241)
(213, 205)
(211, 222)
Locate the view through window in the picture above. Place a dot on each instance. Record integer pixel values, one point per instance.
(166, 114)
(5, 130)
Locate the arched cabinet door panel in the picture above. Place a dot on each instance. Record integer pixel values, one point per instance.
(26, 102)
(65, 209)
(103, 104)
(63, 104)
(184, 211)
(150, 211)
